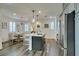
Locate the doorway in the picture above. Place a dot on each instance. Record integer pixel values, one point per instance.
(71, 34)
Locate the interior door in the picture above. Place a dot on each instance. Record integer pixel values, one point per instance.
(71, 34)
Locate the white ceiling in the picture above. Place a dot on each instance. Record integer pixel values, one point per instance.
(25, 9)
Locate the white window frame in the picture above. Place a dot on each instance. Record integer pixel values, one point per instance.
(12, 27)
(26, 27)
(52, 25)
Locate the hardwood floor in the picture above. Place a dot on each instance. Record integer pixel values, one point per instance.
(13, 50)
(22, 50)
(52, 49)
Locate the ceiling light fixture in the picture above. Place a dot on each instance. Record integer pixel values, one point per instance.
(33, 20)
(14, 14)
(38, 23)
(37, 20)
(39, 11)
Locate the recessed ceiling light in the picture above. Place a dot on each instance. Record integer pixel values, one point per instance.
(14, 14)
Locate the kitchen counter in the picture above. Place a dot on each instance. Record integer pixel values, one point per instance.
(36, 34)
(35, 41)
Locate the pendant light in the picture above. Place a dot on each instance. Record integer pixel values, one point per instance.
(37, 23)
(37, 20)
(33, 20)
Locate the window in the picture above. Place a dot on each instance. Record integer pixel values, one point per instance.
(12, 26)
(52, 25)
(26, 28)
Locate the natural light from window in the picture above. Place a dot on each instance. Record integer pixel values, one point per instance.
(12, 26)
(52, 23)
(26, 27)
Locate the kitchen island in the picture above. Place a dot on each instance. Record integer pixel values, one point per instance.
(36, 41)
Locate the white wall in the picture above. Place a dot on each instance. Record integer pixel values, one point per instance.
(49, 33)
(3, 32)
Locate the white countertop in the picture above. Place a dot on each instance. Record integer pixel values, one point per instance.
(35, 34)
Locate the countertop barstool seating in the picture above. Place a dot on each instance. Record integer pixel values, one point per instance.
(18, 37)
(11, 38)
